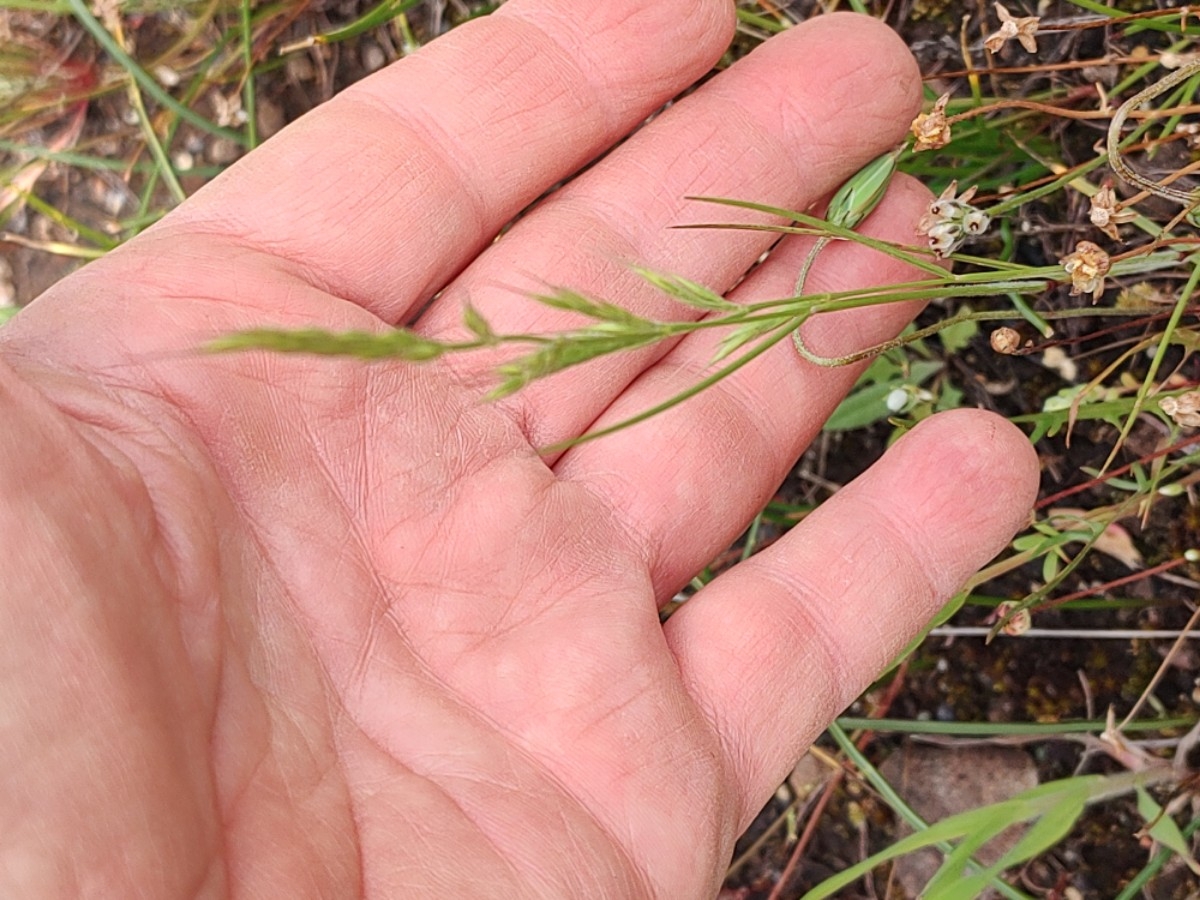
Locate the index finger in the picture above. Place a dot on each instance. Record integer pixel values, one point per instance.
(383, 194)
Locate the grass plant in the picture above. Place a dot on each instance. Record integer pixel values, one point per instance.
(1038, 138)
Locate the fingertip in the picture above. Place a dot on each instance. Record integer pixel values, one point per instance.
(989, 451)
(690, 37)
(982, 440)
(795, 632)
(908, 194)
(970, 478)
(851, 51)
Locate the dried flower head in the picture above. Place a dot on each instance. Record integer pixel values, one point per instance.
(1106, 214)
(1023, 29)
(1184, 409)
(949, 220)
(1020, 622)
(931, 130)
(1006, 341)
(1087, 267)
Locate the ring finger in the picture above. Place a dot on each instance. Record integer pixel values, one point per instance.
(691, 477)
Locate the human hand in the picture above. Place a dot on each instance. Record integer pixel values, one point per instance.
(284, 626)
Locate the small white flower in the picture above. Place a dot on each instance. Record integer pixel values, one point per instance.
(898, 399)
(950, 219)
(976, 222)
(945, 238)
(943, 209)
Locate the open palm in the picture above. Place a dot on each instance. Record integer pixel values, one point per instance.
(281, 626)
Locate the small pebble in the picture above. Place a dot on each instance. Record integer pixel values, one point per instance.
(166, 76)
(373, 57)
(223, 151)
(270, 117)
(300, 68)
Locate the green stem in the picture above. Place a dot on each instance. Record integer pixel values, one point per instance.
(762, 347)
(1139, 881)
(1034, 730)
(930, 330)
(902, 809)
(249, 97)
(93, 26)
(1030, 315)
(155, 145)
(1114, 143)
(1155, 364)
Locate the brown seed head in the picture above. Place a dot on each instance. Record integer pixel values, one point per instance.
(1023, 29)
(1087, 267)
(1006, 341)
(931, 130)
(1020, 622)
(1184, 409)
(1107, 215)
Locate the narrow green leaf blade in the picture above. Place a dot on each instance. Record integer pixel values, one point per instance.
(1055, 823)
(1164, 829)
(1026, 805)
(476, 324)
(741, 336)
(400, 343)
(601, 310)
(687, 291)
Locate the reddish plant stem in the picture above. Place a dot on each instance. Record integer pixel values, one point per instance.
(1116, 583)
(1092, 482)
